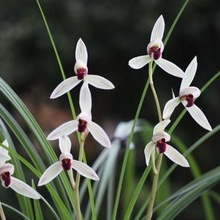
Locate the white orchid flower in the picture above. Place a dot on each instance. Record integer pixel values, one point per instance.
(4, 153)
(159, 142)
(81, 71)
(187, 96)
(83, 122)
(154, 50)
(66, 162)
(6, 170)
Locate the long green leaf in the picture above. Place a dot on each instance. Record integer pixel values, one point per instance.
(185, 196)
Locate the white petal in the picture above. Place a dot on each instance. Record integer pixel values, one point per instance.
(50, 173)
(190, 90)
(85, 98)
(176, 157)
(63, 130)
(158, 29)
(148, 150)
(199, 117)
(64, 87)
(123, 129)
(4, 153)
(99, 82)
(170, 67)
(189, 74)
(161, 126)
(99, 134)
(160, 135)
(81, 52)
(169, 107)
(139, 62)
(84, 170)
(23, 188)
(64, 144)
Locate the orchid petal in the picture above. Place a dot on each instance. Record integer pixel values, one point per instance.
(4, 153)
(189, 74)
(81, 52)
(199, 116)
(85, 98)
(50, 173)
(63, 130)
(170, 67)
(23, 188)
(65, 86)
(148, 150)
(175, 156)
(190, 90)
(99, 82)
(158, 29)
(139, 62)
(64, 144)
(161, 126)
(84, 170)
(160, 135)
(123, 129)
(170, 106)
(99, 134)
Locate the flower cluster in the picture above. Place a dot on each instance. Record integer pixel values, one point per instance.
(83, 122)
(6, 172)
(187, 96)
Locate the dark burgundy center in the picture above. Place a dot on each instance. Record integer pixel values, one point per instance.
(66, 164)
(161, 145)
(82, 125)
(81, 72)
(6, 178)
(155, 52)
(190, 100)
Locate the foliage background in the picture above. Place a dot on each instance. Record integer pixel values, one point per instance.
(114, 32)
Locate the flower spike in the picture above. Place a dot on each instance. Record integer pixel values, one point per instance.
(187, 96)
(154, 50)
(81, 71)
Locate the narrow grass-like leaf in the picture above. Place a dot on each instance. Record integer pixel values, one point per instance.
(185, 196)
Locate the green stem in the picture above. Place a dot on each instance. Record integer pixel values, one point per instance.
(76, 188)
(121, 178)
(2, 215)
(154, 188)
(154, 92)
(160, 156)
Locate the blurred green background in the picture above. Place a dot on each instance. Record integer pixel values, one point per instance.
(114, 31)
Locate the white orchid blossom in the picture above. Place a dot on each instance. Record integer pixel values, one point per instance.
(6, 171)
(159, 142)
(66, 162)
(81, 71)
(154, 50)
(83, 122)
(187, 96)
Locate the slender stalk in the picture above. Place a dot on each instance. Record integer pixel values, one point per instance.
(160, 156)
(76, 188)
(154, 188)
(121, 178)
(2, 215)
(154, 91)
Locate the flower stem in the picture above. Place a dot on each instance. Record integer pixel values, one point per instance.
(154, 188)
(154, 92)
(160, 156)
(76, 188)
